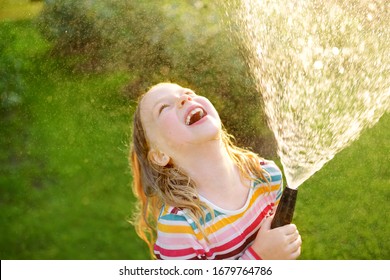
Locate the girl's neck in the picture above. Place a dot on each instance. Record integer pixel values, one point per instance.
(216, 175)
(206, 160)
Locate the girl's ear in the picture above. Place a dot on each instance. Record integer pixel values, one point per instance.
(158, 157)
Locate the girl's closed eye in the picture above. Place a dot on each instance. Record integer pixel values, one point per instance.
(162, 108)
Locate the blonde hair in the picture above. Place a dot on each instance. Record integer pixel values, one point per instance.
(155, 186)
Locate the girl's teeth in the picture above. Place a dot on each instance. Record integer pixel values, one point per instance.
(193, 112)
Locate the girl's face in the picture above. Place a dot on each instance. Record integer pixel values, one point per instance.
(175, 119)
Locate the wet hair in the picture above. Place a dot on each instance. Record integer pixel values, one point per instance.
(155, 185)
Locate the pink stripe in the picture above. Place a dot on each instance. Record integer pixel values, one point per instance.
(238, 251)
(254, 254)
(168, 239)
(243, 222)
(242, 236)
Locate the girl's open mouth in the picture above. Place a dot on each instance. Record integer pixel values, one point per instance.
(195, 115)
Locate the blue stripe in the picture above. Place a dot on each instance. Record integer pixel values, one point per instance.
(274, 178)
(183, 218)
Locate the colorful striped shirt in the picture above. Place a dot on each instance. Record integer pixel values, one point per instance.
(230, 233)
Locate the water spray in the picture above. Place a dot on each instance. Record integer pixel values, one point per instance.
(285, 210)
(322, 70)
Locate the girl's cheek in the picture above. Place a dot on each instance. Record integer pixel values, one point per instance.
(168, 122)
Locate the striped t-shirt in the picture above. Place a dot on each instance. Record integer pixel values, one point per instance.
(230, 233)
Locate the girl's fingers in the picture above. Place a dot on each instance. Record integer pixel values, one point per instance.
(295, 254)
(294, 249)
(293, 241)
(292, 237)
(291, 229)
(296, 244)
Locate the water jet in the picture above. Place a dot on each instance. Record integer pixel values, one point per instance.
(322, 69)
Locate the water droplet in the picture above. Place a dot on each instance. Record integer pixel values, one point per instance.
(335, 51)
(318, 65)
(362, 46)
(198, 5)
(372, 6)
(347, 51)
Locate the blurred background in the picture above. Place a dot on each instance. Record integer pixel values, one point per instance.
(70, 76)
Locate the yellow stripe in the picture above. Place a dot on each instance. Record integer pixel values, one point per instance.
(234, 218)
(175, 228)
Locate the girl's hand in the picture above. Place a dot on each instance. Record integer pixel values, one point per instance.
(282, 243)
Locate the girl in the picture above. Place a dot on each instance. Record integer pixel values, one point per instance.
(200, 196)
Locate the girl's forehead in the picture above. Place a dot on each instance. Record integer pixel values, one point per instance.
(159, 91)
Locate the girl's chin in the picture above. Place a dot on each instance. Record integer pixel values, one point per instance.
(209, 134)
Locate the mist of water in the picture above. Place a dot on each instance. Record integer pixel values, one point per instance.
(323, 70)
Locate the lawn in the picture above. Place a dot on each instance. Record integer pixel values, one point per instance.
(19, 9)
(65, 182)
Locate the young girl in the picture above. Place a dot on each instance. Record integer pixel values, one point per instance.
(200, 196)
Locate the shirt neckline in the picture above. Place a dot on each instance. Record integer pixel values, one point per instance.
(226, 211)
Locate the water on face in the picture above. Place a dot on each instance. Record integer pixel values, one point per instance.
(323, 70)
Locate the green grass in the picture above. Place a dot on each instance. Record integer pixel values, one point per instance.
(65, 182)
(343, 210)
(19, 9)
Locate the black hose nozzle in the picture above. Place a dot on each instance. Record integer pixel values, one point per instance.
(285, 210)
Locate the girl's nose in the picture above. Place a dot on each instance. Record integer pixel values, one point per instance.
(182, 100)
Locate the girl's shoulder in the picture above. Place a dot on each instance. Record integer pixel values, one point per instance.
(271, 172)
(273, 182)
(173, 219)
(171, 211)
(175, 216)
(172, 214)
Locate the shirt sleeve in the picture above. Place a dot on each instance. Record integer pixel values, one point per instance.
(178, 239)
